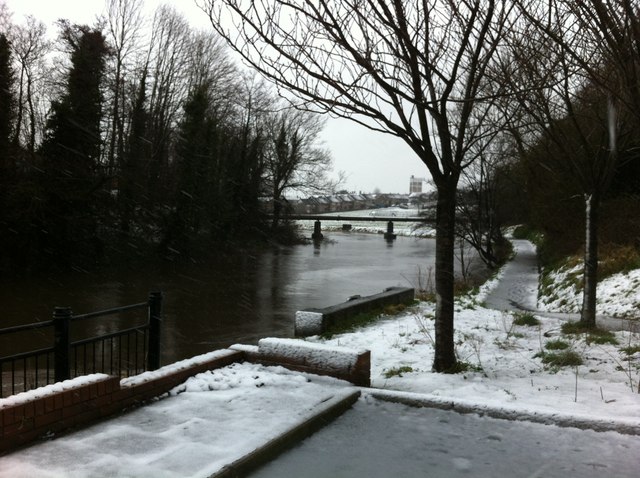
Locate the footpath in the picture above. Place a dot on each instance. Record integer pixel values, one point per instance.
(518, 288)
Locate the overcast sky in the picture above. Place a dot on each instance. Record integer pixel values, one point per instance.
(370, 160)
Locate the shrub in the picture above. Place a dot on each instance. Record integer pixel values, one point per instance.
(630, 350)
(556, 345)
(526, 319)
(592, 335)
(564, 358)
(397, 371)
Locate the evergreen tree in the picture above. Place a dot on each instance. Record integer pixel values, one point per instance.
(72, 145)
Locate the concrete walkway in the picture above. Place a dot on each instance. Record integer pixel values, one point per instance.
(517, 290)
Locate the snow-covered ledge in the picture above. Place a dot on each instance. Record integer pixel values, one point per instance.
(340, 362)
(316, 321)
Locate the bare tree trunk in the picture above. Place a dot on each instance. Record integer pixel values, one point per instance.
(445, 358)
(588, 315)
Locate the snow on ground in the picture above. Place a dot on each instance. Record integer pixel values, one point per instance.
(504, 370)
(618, 295)
(505, 366)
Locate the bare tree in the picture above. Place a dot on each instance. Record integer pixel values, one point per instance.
(169, 42)
(30, 48)
(123, 28)
(294, 160)
(409, 69)
(582, 70)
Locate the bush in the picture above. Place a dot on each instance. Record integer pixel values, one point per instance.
(556, 345)
(397, 371)
(593, 335)
(526, 319)
(565, 358)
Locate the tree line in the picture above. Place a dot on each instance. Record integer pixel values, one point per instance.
(135, 135)
(529, 109)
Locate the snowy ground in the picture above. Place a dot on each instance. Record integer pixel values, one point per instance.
(618, 295)
(218, 416)
(504, 371)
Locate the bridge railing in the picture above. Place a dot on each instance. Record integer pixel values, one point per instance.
(122, 353)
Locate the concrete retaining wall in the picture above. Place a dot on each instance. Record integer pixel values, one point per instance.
(316, 321)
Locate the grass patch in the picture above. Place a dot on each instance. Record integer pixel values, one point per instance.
(349, 324)
(526, 319)
(564, 358)
(397, 371)
(594, 335)
(463, 367)
(630, 350)
(617, 258)
(556, 345)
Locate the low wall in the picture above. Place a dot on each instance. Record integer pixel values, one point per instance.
(55, 408)
(316, 321)
(346, 364)
(28, 416)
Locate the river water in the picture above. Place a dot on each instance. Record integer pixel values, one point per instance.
(227, 298)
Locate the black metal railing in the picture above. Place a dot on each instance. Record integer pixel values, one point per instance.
(122, 353)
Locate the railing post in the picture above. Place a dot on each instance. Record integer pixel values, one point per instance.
(155, 322)
(61, 343)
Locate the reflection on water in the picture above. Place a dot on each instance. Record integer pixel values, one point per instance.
(229, 298)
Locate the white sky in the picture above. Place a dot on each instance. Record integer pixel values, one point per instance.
(370, 160)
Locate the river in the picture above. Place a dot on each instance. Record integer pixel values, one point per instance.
(228, 298)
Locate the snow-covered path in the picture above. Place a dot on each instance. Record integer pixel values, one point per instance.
(518, 285)
(517, 289)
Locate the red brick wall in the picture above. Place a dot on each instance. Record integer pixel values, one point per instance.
(28, 420)
(31, 419)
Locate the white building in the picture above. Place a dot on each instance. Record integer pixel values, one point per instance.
(415, 184)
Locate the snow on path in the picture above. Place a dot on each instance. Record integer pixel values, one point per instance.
(517, 289)
(518, 285)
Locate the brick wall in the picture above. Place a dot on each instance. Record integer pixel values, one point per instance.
(29, 416)
(55, 408)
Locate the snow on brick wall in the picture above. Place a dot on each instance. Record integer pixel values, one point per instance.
(170, 369)
(48, 390)
(311, 354)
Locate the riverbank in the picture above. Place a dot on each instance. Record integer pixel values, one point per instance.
(505, 359)
(219, 415)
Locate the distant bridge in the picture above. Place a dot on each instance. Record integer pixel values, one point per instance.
(346, 220)
(372, 218)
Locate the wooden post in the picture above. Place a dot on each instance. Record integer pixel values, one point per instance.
(61, 343)
(155, 325)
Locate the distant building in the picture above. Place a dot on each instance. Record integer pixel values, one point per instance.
(415, 184)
